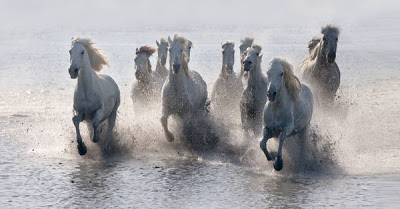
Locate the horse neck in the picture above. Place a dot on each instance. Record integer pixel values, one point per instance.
(226, 72)
(255, 75)
(159, 67)
(320, 60)
(179, 79)
(283, 98)
(86, 78)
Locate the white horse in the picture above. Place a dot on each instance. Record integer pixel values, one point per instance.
(245, 43)
(145, 91)
(161, 71)
(227, 89)
(289, 109)
(184, 92)
(96, 96)
(320, 70)
(254, 94)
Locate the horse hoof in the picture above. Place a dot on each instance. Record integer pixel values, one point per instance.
(170, 137)
(82, 149)
(278, 164)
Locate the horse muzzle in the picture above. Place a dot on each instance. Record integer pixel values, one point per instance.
(176, 68)
(246, 65)
(331, 57)
(138, 75)
(163, 61)
(73, 72)
(271, 95)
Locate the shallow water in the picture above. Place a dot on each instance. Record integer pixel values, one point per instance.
(352, 151)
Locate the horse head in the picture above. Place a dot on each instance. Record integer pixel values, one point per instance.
(162, 51)
(84, 53)
(252, 58)
(244, 44)
(329, 42)
(142, 63)
(177, 54)
(280, 75)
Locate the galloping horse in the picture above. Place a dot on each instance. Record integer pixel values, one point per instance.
(288, 110)
(96, 96)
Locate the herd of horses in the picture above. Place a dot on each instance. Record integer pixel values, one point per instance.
(277, 105)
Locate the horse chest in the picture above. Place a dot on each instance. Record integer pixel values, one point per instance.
(178, 102)
(275, 118)
(86, 103)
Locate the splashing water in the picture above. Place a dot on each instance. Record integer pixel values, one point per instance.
(353, 145)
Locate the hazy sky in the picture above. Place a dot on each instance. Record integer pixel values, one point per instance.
(124, 13)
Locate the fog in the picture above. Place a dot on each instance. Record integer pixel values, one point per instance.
(121, 13)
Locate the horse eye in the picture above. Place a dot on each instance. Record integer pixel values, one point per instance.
(82, 52)
(181, 50)
(281, 74)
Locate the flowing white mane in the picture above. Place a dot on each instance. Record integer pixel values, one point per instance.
(292, 83)
(96, 55)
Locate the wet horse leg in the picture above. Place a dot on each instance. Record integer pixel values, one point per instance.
(164, 123)
(278, 164)
(78, 117)
(263, 143)
(98, 118)
(111, 124)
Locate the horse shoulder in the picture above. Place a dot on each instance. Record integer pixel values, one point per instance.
(303, 108)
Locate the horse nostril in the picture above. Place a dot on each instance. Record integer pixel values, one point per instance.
(76, 70)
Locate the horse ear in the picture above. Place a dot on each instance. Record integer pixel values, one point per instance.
(158, 44)
(137, 50)
(169, 40)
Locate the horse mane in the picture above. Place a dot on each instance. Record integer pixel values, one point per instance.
(184, 42)
(330, 27)
(313, 43)
(247, 40)
(292, 83)
(96, 56)
(164, 41)
(228, 43)
(148, 50)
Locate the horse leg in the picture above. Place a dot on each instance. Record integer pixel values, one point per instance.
(111, 124)
(78, 117)
(278, 164)
(98, 118)
(263, 143)
(164, 123)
